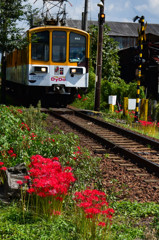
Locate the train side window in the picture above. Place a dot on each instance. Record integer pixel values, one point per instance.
(59, 46)
(40, 48)
(77, 50)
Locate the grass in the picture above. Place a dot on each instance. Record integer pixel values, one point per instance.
(132, 220)
(148, 128)
(143, 127)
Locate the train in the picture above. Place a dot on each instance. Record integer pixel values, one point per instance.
(52, 67)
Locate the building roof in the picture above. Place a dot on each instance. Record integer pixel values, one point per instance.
(123, 29)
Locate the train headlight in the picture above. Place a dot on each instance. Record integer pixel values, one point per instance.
(43, 69)
(76, 71)
(38, 69)
(73, 70)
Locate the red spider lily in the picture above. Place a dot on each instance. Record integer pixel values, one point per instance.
(33, 136)
(48, 177)
(145, 123)
(20, 182)
(94, 204)
(31, 190)
(3, 168)
(56, 212)
(92, 211)
(55, 158)
(27, 177)
(24, 126)
(79, 96)
(102, 224)
(11, 152)
(19, 110)
(84, 99)
(13, 155)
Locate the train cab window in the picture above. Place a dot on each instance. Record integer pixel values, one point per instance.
(59, 46)
(77, 50)
(40, 48)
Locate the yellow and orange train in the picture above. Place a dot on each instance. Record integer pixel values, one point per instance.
(55, 64)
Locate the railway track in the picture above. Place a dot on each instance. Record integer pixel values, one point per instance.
(142, 152)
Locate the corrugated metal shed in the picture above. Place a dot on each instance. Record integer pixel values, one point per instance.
(121, 29)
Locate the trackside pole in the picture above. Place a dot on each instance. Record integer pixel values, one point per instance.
(140, 46)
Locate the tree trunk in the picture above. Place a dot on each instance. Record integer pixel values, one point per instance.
(3, 84)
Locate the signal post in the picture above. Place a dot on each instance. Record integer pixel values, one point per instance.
(101, 20)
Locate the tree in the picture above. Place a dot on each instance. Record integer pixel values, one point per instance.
(111, 83)
(10, 35)
(110, 66)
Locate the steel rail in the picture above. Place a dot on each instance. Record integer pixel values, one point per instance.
(141, 162)
(127, 133)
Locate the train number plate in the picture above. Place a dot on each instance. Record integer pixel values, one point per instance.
(36, 77)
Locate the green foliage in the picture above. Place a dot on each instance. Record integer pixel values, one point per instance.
(157, 112)
(121, 89)
(22, 225)
(23, 132)
(11, 35)
(26, 140)
(111, 83)
(132, 221)
(110, 66)
(14, 227)
(135, 209)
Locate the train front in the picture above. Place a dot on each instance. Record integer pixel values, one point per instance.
(58, 60)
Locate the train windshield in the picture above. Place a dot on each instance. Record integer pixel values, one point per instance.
(59, 46)
(40, 48)
(77, 51)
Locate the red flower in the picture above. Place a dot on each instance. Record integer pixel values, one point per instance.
(27, 177)
(102, 224)
(33, 136)
(56, 212)
(55, 158)
(24, 126)
(19, 110)
(1, 163)
(49, 178)
(3, 168)
(79, 96)
(20, 182)
(84, 99)
(31, 190)
(10, 151)
(93, 203)
(13, 155)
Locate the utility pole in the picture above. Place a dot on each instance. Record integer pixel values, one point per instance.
(101, 20)
(85, 16)
(3, 62)
(3, 83)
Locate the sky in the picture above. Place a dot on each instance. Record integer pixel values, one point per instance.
(115, 10)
